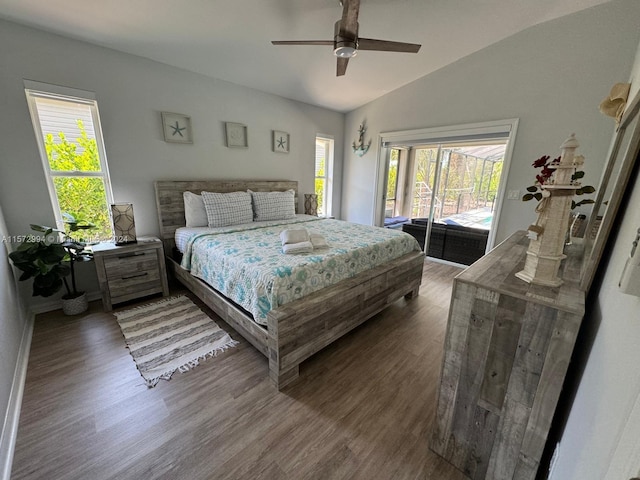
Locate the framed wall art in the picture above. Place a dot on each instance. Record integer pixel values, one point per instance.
(176, 128)
(237, 135)
(280, 142)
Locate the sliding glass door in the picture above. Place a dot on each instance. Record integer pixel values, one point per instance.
(446, 194)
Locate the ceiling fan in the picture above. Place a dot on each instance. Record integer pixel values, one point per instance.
(346, 42)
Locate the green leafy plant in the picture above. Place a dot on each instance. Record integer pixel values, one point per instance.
(50, 259)
(545, 164)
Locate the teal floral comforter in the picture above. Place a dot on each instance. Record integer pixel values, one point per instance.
(246, 263)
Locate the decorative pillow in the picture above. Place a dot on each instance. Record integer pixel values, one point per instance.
(194, 211)
(227, 208)
(273, 205)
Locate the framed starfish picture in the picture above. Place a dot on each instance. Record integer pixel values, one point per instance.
(280, 142)
(176, 128)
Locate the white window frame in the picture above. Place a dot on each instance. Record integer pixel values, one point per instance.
(328, 176)
(57, 92)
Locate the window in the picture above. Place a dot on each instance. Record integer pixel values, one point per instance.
(67, 128)
(392, 184)
(324, 174)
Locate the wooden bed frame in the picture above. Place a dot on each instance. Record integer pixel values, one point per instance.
(298, 329)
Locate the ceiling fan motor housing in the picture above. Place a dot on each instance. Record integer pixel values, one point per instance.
(343, 46)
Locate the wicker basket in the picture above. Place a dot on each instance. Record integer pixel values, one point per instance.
(75, 306)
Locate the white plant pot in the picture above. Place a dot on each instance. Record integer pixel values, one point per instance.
(75, 306)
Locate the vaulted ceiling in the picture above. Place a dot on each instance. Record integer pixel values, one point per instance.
(231, 40)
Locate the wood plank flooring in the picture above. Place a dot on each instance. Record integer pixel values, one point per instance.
(362, 408)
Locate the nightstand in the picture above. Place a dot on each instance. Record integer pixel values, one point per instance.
(126, 272)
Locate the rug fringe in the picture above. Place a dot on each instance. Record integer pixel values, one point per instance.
(191, 364)
(152, 304)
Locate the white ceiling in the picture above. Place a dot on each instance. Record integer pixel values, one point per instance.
(230, 39)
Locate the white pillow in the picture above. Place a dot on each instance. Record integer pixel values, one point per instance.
(194, 211)
(273, 205)
(227, 208)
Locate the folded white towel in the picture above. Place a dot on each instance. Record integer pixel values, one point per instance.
(318, 241)
(294, 235)
(299, 247)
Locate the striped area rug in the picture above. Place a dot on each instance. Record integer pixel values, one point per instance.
(170, 335)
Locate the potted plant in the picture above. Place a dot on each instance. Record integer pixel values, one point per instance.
(49, 260)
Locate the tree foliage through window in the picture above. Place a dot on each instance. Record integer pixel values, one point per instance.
(84, 196)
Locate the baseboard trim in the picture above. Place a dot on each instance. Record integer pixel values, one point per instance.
(10, 427)
(447, 262)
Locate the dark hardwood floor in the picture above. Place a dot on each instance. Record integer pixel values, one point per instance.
(362, 408)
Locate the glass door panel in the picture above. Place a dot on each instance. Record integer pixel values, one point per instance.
(454, 196)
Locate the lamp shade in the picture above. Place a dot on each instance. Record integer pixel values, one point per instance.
(124, 226)
(311, 204)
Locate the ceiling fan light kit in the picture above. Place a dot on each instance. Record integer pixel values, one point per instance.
(345, 50)
(346, 42)
(344, 47)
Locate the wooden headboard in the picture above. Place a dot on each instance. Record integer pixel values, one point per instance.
(170, 203)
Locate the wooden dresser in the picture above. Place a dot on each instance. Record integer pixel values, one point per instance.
(127, 272)
(507, 349)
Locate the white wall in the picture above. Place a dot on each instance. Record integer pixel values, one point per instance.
(13, 326)
(551, 76)
(131, 93)
(610, 383)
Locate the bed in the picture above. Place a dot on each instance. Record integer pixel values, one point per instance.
(297, 329)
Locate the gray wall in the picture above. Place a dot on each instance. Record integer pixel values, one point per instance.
(13, 324)
(551, 76)
(131, 93)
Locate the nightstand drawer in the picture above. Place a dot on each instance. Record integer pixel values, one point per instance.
(134, 282)
(128, 272)
(128, 263)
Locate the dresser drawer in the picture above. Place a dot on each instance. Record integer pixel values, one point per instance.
(135, 283)
(129, 263)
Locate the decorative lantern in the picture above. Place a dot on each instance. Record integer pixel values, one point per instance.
(124, 226)
(311, 204)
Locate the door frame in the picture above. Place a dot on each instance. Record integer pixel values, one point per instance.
(444, 134)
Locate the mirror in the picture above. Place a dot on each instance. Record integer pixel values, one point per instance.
(621, 159)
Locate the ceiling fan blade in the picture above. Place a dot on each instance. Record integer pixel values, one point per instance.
(302, 42)
(349, 22)
(342, 66)
(387, 46)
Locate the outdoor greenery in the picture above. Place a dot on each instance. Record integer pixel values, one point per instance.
(320, 183)
(392, 181)
(464, 185)
(83, 197)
